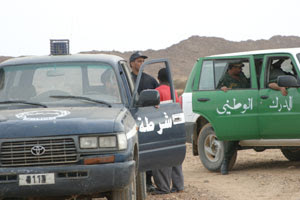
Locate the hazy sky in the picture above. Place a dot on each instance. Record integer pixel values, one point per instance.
(126, 25)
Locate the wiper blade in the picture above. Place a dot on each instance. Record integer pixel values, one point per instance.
(23, 102)
(82, 98)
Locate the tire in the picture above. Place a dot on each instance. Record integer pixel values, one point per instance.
(291, 154)
(211, 150)
(141, 190)
(127, 193)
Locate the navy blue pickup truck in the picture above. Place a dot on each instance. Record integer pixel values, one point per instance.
(73, 126)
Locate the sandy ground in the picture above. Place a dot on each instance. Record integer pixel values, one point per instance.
(265, 175)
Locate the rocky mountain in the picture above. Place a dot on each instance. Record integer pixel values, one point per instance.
(3, 58)
(183, 55)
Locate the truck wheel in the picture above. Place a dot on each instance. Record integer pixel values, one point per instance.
(291, 154)
(211, 150)
(141, 190)
(127, 193)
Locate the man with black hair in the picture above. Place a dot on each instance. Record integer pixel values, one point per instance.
(147, 82)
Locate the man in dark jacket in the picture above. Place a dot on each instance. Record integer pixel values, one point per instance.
(147, 81)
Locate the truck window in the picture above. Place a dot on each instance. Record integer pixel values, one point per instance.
(227, 80)
(66, 79)
(127, 71)
(277, 66)
(39, 82)
(214, 71)
(127, 81)
(207, 76)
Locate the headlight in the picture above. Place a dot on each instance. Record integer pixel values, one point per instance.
(107, 142)
(122, 141)
(88, 142)
(118, 141)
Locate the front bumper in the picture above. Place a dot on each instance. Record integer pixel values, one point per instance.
(69, 180)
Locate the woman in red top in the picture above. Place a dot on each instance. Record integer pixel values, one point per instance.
(164, 87)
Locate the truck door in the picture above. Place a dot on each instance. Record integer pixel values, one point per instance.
(278, 114)
(161, 130)
(232, 113)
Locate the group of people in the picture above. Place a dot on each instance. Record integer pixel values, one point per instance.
(168, 179)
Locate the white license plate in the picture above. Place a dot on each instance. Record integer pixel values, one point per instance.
(36, 179)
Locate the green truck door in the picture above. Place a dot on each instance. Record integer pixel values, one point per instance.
(279, 115)
(224, 110)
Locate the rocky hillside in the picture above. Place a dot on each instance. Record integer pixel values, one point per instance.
(183, 55)
(3, 58)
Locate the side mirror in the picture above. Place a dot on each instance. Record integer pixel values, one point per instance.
(287, 81)
(148, 97)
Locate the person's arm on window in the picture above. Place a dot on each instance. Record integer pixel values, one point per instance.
(275, 86)
(222, 85)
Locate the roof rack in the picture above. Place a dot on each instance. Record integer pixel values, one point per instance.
(59, 47)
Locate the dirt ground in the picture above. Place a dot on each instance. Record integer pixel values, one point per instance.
(266, 175)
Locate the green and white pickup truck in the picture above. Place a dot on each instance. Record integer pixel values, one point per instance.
(258, 117)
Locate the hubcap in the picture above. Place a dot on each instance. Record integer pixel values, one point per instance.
(212, 148)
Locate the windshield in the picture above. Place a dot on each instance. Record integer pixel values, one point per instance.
(298, 56)
(37, 83)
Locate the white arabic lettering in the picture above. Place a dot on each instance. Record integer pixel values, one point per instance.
(288, 104)
(167, 124)
(227, 108)
(250, 105)
(149, 126)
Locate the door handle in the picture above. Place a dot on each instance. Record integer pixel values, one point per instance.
(264, 96)
(203, 99)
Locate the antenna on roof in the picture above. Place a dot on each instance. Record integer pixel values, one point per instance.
(59, 47)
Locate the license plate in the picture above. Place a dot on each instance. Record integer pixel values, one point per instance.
(36, 179)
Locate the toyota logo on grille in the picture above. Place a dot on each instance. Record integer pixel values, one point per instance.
(38, 150)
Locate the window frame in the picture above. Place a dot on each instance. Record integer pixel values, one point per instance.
(253, 83)
(266, 67)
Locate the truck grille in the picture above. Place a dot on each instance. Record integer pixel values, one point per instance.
(52, 151)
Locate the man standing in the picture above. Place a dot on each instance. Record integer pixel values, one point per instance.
(147, 81)
(233, 78)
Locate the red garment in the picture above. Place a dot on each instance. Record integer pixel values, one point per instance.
(165, 94)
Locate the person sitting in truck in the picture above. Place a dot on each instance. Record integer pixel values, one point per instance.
(233, 78)
(110, 84)
(275, 71)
